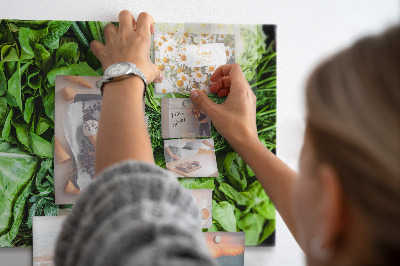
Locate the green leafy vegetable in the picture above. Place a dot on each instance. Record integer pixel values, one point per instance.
(224, 214)
(16, 171)
(33, 53)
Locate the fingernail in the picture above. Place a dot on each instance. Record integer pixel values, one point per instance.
(160, 78)
(194, 94)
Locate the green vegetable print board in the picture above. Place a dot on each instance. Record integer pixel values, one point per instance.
(33, 53)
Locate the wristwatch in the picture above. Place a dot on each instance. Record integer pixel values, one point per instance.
(120, 71)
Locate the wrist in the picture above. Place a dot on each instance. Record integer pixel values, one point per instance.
(132, 86)
(243, 141)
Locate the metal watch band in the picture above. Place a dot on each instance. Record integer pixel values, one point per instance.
(134, 71)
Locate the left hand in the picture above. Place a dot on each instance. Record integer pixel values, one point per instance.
(129, 43)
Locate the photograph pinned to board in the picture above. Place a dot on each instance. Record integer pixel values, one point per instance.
(226, 247)
(188, 59)
(204, 200)
(77, 112)
(45, 233)
(180, 118)
(191, 157)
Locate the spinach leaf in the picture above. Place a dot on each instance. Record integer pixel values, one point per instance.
(233, 166)
(29, 106)
(252, 224)
(16, 171)
(9, 53)
(263, 205)
(269, 228)
(67, 52)
(62, 70)
(3, 110)
(197, 183)
(3, 83)
(34, 79)
(48, 103)
(83, 69)
(14, 84)
(232, 194)
(26, 49)
(55, 30)
(22, 134)
(18, 214)
(7, 125)
(223, 213)
(40, 52)
(40, 146)
(42, 126)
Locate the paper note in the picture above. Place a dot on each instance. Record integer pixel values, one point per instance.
(205, 55)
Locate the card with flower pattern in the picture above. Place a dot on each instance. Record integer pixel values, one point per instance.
(188, 60)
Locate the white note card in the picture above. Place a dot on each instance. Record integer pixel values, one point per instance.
(210, 54)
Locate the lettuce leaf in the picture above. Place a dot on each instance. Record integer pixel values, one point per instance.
(16, 171)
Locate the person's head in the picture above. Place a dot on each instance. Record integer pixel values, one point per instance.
(347, 198)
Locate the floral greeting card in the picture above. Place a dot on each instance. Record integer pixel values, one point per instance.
(188, 60)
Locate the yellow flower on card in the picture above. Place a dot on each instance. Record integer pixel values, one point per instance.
(166, 60)
(179, 83)
(163, 38)
(200, 77)
(183, 57)
(180, 70)
(164, 90)
(161, 67)
(186, 34)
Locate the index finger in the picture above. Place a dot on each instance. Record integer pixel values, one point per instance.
(233, 71)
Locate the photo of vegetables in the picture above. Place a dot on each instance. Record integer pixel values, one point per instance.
(33, 53)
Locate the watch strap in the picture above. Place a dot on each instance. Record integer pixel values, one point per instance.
(134, 71)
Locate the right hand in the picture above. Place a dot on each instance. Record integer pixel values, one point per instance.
(235, 119)
(128, 43)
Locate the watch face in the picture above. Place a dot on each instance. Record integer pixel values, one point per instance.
(118, 69)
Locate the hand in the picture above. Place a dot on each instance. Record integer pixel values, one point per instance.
(235, 119)
(128, 43)
(176, 157)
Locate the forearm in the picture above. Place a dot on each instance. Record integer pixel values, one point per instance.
(274, 175)
(122, 131)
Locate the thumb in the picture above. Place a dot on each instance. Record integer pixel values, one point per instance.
(157, 75)
(201, 99)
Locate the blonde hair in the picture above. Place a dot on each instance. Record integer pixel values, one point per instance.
(353, 120)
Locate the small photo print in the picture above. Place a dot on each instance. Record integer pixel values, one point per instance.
(191, 157)
(77, 112)
(180, 118)
(188, 60)
(45, 230)
(204, 199)
(226, 247)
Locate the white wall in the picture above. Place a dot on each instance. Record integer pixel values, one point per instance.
(307, 32)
